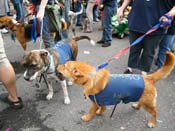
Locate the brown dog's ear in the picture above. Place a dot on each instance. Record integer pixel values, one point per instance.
(43, 53)
(77, 72)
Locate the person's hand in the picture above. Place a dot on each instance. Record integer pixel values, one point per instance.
(166, 20)
(40, 14)
(120, 15)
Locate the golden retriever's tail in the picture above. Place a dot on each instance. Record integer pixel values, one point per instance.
(166, 69)
(77, 38)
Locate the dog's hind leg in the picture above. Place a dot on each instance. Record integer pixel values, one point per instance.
(66, 96)
(153, 112)
(91, 113)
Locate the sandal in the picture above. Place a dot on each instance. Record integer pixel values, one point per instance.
(14, 105)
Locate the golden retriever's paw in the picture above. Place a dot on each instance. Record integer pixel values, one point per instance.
(66, 100)
(151, 125)
(86, 118)
(136, 106)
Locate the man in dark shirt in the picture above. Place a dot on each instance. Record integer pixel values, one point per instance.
(144, 15)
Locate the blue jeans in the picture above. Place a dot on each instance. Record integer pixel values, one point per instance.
(165, 45)
(107, 24)
(77, 9)
(47, 38)
(18, 5)
(64, 34)
(95, 12)
(141, 55)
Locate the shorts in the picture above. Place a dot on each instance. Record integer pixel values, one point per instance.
(3, 58)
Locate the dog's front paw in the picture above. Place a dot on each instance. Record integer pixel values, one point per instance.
(67, 101)
(49, 96)
(86, 118)
(151, 125)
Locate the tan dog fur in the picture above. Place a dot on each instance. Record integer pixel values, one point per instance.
(19, 29)
(84, 74)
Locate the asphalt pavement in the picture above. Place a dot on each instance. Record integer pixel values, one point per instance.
(40, 114)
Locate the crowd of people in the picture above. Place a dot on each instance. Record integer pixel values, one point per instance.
(140, 21)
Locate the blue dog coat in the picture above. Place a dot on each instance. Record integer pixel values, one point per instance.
(121, 87)
(65, 52)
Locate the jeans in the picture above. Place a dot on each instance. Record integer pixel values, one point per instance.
(47, 38)
(165, 45)
(18, 5)
(141, 55)
(64, 34)
(95, 12)
(107, 24)
(77, 9)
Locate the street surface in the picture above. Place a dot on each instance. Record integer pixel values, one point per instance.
(40, 114)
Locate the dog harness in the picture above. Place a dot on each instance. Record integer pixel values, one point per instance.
(65, 52)
(120, 88)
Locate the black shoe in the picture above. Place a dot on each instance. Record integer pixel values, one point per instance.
(106, 45)
(100, 42)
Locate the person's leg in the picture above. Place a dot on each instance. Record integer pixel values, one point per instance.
(77, 9)
(95, 13)
(107, 25)
(135, 51)
(164, 46)
(9, 81)
(7, 75)
(172, 44)
(47, 38)
(18, 5)
(150, 43)
(64, 34)
(89, 13)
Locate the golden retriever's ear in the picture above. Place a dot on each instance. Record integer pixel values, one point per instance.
(76, 72)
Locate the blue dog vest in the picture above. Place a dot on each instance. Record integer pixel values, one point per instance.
(121, 87)
(65, 52)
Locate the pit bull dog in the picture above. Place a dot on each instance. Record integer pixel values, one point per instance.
(46, 61)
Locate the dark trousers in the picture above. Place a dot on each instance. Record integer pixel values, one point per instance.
(141, 55)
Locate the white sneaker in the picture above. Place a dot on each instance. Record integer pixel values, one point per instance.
(4, 31)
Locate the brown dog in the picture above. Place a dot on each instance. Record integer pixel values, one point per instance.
(95, 83)
(22, 31)
(46, 61)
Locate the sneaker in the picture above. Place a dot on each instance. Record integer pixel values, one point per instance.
(4, 31)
